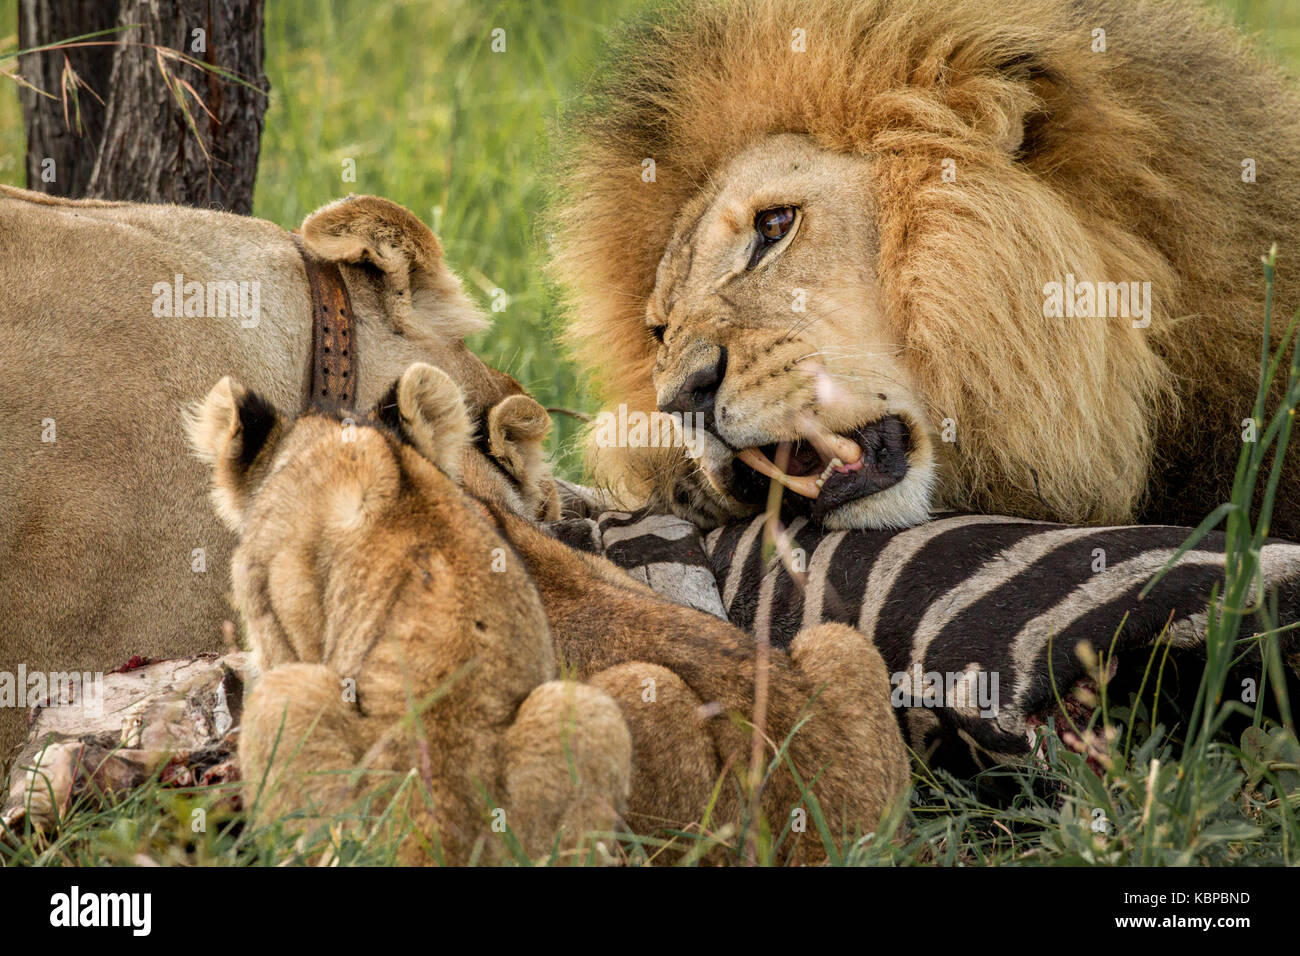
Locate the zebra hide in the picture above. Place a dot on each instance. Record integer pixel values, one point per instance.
(978, 601)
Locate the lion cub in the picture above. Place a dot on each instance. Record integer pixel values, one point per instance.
(397, 651)
(686, 684)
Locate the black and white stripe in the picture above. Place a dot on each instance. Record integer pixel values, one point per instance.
(993, 593)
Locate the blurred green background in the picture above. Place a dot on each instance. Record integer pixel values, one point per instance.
(411, 90)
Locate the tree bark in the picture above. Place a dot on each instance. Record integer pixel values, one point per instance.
(138, 144)
(48, 137)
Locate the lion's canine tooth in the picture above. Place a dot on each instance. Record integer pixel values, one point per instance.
(829, 444)
(847, 450)
(799, 484)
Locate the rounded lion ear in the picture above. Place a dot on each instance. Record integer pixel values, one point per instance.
(229, 430)
(514, 420)
(417, 285)
(517, 427)
(426, 406)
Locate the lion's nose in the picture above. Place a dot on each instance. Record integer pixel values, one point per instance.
(699, 390)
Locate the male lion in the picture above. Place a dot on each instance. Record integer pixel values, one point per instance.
(373, 592)
(900, 255)
(113, 316)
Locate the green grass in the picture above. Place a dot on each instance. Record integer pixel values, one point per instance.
(437, 121)
(411, 91)
(1142, 783)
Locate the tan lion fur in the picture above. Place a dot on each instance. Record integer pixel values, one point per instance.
(685, 683)
(335, 519)
(100, 528)
(1115, 166)
(373, 590)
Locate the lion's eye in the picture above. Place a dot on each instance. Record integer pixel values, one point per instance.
(773, 224)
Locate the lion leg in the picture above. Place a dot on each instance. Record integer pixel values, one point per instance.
(853, 739)
(675, 764)
(298, 739)
(567, 766)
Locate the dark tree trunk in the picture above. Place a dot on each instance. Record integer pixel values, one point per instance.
(138, 145)
(48, 137)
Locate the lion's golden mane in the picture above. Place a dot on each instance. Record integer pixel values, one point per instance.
(1115, 165)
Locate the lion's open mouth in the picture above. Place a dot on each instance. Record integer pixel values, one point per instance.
(826, 471)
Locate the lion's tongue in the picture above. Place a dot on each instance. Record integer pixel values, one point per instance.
(841, 453)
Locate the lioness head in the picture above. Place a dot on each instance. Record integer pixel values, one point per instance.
(827, 251)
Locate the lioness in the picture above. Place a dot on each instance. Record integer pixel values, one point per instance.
(900, 255)
(113, 316)
(392, 637)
